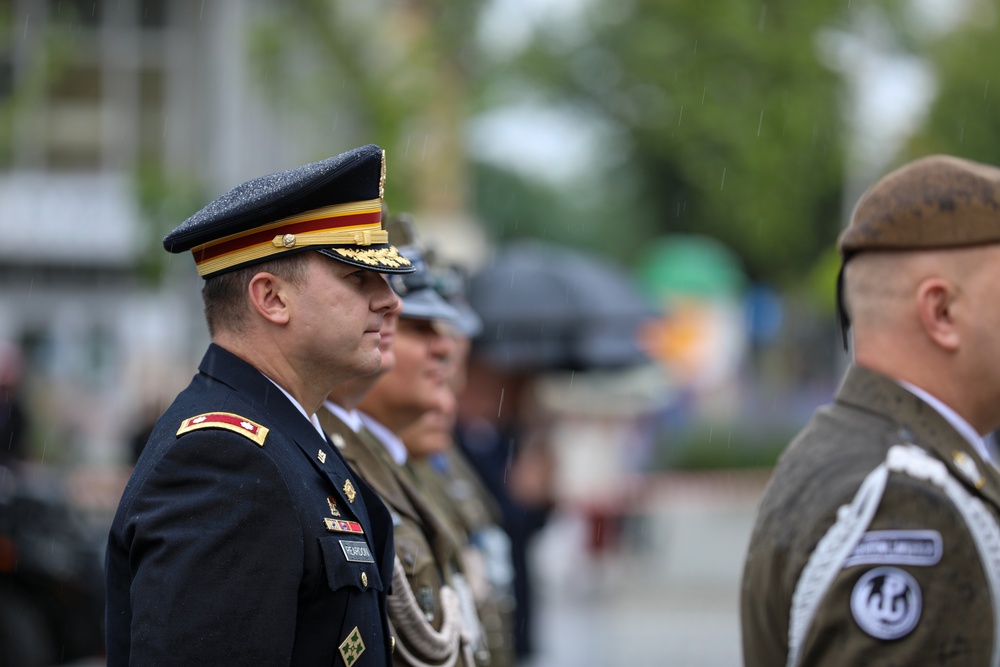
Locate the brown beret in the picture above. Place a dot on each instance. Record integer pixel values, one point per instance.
(934, 202)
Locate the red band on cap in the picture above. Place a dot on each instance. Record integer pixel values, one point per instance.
(212, 251)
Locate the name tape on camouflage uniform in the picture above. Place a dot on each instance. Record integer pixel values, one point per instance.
(226, 421)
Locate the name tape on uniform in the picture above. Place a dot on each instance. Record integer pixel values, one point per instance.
(356, 552)
(897, 547)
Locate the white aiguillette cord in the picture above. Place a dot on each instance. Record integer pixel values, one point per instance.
(444, 646)
(853, 520)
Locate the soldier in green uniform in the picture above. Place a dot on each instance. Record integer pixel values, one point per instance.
(877, 540)
(431, 613)
(446, 477)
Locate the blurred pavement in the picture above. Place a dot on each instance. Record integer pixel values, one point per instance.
(668, 594)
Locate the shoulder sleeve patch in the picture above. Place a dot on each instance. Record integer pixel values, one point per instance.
(226, 421)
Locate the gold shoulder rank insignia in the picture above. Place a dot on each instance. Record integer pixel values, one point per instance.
(227, 421)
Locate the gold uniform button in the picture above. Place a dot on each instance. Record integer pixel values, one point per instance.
(364, 579)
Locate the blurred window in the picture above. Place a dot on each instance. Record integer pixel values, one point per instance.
(73, 121)
(82, 82)
(85, 13)
(153, 14)
(152, 112)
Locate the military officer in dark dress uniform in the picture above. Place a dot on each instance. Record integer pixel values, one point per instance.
(877, 540)
(220, 553)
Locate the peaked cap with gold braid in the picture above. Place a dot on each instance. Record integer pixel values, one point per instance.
(333, 206)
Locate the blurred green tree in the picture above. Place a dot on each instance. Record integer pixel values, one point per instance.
(733, 124)
(397, 74)
(720, 120)
(964, 118)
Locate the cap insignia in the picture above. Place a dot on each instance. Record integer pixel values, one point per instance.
(228, 422)
(381, 179)
(380, 257)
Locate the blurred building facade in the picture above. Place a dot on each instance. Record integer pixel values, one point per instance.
(95, 96)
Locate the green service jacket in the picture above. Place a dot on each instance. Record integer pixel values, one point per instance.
(425, 551)
(913, 588)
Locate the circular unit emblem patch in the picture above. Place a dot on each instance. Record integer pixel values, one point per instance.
(886, 602)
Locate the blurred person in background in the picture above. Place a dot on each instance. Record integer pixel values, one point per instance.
(13, 415)
(51, 584)
(546, 308)
(430, 609)
(146, 419)
(445, 473)
(881, 519)
(499, 430)
(219, 553)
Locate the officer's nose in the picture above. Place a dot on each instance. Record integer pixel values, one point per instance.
(385, 298)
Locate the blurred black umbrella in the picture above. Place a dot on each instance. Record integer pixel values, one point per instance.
(547, 307)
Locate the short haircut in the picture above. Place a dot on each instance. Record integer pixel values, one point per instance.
(876, 282)
(225, 295)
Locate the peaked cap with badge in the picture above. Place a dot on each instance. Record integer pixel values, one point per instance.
(333, 206)
(243, 537)
(877, 539)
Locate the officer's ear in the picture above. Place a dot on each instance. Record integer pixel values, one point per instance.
(268, 296)
(935, 302)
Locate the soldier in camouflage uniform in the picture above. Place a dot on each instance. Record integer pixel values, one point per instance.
(877, 540)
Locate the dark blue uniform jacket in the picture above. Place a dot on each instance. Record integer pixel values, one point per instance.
(219, 553)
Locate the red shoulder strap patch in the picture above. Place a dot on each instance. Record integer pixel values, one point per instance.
(227, 421)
